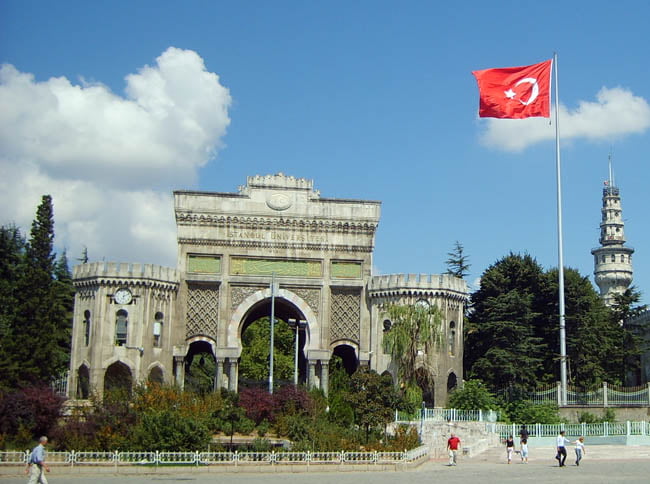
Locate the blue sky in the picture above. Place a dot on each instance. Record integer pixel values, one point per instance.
(109, 106)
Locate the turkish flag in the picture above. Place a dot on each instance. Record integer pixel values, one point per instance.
(515, 92)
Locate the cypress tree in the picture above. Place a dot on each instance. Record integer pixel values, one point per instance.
(35, 331)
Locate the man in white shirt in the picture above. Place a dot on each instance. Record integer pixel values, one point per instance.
(561, 449)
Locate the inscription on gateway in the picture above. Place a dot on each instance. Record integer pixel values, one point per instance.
(266, 267)
(269, 235)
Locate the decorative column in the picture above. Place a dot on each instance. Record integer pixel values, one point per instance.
(311, 381)
(324, 376)
(218, 374)
(179, 371)
(232, 374)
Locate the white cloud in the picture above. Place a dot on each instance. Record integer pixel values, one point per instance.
(615, 113)
(109, 162)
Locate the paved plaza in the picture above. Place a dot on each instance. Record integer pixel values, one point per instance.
(598, 470)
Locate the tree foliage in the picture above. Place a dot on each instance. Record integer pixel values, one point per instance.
(36, 299)
(512, 333)
(411, 340)
(458, 263)
(474, 395)
(255, 357)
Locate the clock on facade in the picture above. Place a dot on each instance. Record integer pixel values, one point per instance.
(122, 296)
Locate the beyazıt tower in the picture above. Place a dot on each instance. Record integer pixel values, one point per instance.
(612, 260)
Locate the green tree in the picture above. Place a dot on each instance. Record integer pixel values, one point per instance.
(255, 357)
(625, 308)
(12, 246)
(373, 398)
(62, 308)
(458, 263)
(474, 395)
(34, 322)
(593, 340)
(411, 340)
(501, 347)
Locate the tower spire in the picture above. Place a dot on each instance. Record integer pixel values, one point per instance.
(612, 260)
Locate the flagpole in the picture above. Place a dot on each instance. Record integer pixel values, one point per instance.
(563, 376)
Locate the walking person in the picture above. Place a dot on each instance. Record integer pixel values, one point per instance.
(510, 448)
(452, 446)
(561, 449)
(523, 433)
(580, 449)
(37, 466)
(524, 451)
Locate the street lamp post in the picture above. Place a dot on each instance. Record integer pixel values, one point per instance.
(296, 324)
(273, 291)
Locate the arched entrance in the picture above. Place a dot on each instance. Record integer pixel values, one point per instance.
(426, 383)
(289, 340)
(348, 356)
(118, 377)
(452, 382)
(200, 368)
(156, 376)
(83, 382)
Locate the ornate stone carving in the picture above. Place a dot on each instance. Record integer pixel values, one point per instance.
(202, 311)
(310, 295)
(345, 314)
(239, 293)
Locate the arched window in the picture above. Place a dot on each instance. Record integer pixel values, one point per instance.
(86, 327)
(121, 327)
(157, 329)
(452, 338)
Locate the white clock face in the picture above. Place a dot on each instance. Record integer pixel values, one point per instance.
(423, 303)
(122, 296)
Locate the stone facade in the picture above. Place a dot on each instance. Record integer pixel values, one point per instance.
(276, 245)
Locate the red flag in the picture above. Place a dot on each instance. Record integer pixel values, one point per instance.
(515, 92)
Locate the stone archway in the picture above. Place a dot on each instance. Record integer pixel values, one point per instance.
(452, 382)
(286, 296)
(83, 382)
(200, 366)
(290, 322)
(156, 375)
(118, 376)
(348, 355)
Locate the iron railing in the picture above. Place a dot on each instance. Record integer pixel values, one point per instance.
(157, 458)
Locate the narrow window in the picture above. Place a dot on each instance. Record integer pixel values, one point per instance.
(86, 327)
(121, 327)
(157, 329)
(452, 338)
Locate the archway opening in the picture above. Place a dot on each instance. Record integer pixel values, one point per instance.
(118, 377)
(254, 362)
(426, 383)
(156, 376)
(452, 382)
(200, 368)
(348, 357)
(83, 382)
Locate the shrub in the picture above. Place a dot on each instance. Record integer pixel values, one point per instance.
(34, 411)
(258, 404)
(473, 396)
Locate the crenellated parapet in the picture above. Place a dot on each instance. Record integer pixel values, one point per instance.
(421, 285)
(119, 273)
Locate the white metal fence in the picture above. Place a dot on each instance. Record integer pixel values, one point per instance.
(605, 429)
(150, 458)
(606, 396)
(446, 414)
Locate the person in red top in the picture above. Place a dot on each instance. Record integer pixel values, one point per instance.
(452, 446)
